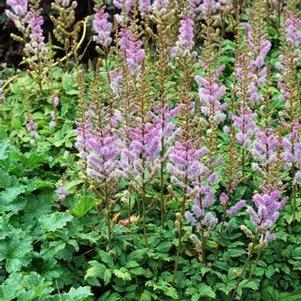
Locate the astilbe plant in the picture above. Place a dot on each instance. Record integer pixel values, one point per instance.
(103, 28)
(289, 86)
(152, 122)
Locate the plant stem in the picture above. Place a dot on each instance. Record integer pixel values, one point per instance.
(108, 211)
(180, 234)
(243, 162)
(204, 241)
(294, 203)
(143, 213)
(241, 275)
(162, 198)
(255, 265)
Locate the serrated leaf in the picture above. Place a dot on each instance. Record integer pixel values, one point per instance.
(106, 258)
(55, 221)
(137, 255)
(96, 270)
(131, 264)
(77, 294)
(14, 250)
(107, 276)
(123, 274)
(206, 291)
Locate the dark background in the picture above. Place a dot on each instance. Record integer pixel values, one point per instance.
(11, 51)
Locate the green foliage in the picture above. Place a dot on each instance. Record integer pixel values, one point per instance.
(53, 250)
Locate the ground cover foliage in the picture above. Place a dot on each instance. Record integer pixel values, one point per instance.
(166, 169)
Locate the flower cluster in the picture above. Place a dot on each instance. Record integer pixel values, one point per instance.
(83, 135)
(103, 29)
(198, 218)
(103, 157)
(128, 4)
(251, 69)
(61, 192)
(19, 7)
(292, 146)
(36, 44)
(185, 42)
(162, 117)
(236, 207)
(131, 49)
(210, 94)
(144, 6)
(245, 126)
(267, 210)
(160, 6)
(265, 146)
(115, 81)
(32, 127)
(184, 163)
(143, 150)
(293, 30)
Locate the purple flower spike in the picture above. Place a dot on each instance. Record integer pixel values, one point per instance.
(36, 44)
(265, 146)
(144, 6)
(128, 4)
(131, 50)
(19, 7)
(103, 29)
(245, 126)
(293, 30)
(268, 209)
(185, 41)
(224, 198)
(210, 94)
(236, 208)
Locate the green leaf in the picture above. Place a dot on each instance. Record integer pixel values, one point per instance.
(67, 82)
(107, 276)
(79, 294)
(3, 149)
(146, 296)
(11, 288)
(15, 250)
(10, 194)
(131, 264)
(96, 270)
(55, 221)
(234, 253)
(6, 180)
(106, 258)
(246, 284)
(123, 274)
(110, 297)
(84, 205)
(164, 287)
(206, 291)
(137, 255)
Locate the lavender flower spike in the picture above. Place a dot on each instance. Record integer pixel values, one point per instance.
(235, 208)
(268, 209)
(131, 50)
(103, 29)
(185, 42)
(36, 44)
(19, 7)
